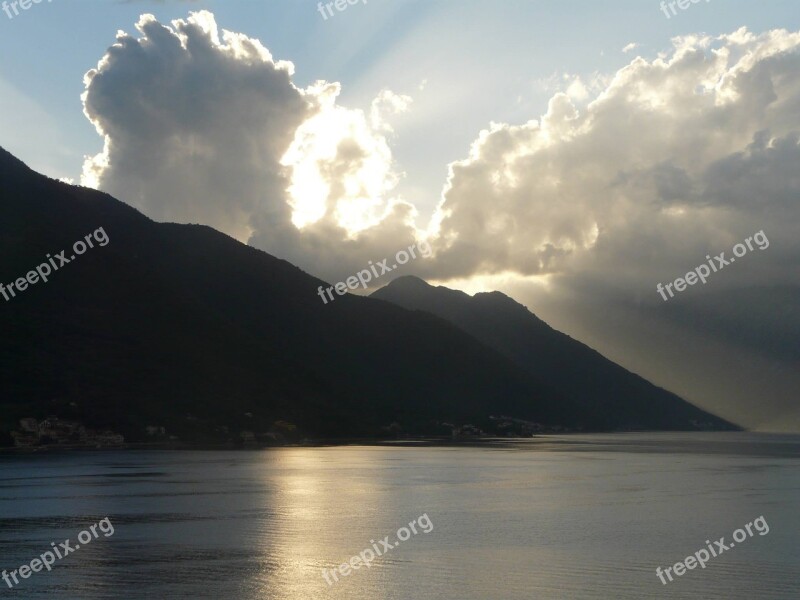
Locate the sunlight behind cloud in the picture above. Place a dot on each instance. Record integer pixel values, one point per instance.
(340, 162)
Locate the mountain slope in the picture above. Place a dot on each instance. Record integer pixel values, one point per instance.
(610, 396)
(183, 326)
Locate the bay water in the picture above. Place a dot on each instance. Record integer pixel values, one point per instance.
(554, 517)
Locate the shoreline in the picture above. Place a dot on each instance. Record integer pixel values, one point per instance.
(427, 441)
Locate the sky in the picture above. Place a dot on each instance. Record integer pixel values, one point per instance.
(572, 154)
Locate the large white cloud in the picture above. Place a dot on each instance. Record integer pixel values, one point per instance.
(677, 157)
(194, 126)
(207, 127)
(668, 160)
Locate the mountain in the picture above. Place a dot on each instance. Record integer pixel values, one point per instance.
(183, 327)
(609, 396)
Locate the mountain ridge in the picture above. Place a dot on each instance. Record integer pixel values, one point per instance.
(597, 384)
(184, 327)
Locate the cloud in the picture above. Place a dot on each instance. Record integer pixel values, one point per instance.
(675, 158)
(194, 126)
(629, 47)
(631, 178)
(203, 126)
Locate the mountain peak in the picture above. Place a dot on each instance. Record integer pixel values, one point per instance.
(411, 287)
(410, 282)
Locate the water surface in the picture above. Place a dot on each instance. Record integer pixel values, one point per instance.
(557, 517)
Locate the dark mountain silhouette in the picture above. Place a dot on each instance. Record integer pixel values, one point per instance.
(610, 396)
(182, 326)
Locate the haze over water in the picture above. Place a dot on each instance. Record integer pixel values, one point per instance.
(553, 517)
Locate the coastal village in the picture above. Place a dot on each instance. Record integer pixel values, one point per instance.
(63, 433)
(54, 431)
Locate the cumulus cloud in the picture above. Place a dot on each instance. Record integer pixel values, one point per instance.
(206, 126)
(675, 158)
(628, 179)
(342, 181)
(194, 124)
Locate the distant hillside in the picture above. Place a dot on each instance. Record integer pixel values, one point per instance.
(183, 327)
(610, 397)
